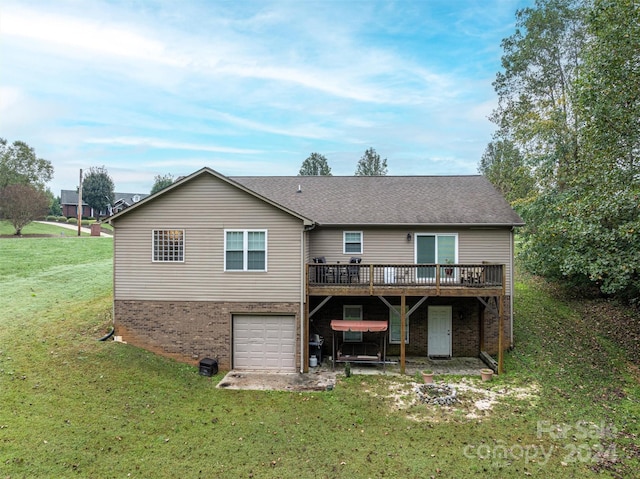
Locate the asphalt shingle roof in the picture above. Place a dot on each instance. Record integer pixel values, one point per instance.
(387, 200)
(70, 197)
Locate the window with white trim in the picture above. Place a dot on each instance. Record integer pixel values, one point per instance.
(352, 242)
(394, 325)
(168, 246)
(352, 313)
(245, 250)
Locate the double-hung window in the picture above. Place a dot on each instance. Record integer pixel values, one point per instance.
(168, 246)
(395, 324)
(352, 313)
(245, 250)
(352, 242)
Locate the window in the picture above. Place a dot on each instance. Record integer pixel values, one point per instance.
(352, 313)
(245, 250)
(394, 325)
(168, 245)
(352, 242)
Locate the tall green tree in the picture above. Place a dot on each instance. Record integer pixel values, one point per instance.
(505, 167)
(315, 165)
(609, 96)
(370, 164)
(55, 208)
(161, 182)
(536, 90)
(19, 164)
(587, 232)
(98, 189)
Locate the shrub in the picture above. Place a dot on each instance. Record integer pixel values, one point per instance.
(72, 221)
(61, 219)
(51, 218)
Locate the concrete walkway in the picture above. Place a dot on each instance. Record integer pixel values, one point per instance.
(71, 227)
(323, 377)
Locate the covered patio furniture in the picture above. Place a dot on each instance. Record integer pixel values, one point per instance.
(355, 352)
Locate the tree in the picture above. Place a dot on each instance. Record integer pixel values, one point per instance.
(536, 91)
(21, 204)
(161, 182)
(585, 229)
(371, 165)
(315, 165)
(97, 189)
(504, 166)
(608, 92)
(55, 209)
(20, 165)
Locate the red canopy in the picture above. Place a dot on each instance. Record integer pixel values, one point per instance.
(359, 326)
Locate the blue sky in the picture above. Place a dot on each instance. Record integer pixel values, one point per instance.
(250, 88)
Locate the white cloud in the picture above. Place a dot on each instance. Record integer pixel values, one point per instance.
(249, 87)
(82, 34)
(167, 145)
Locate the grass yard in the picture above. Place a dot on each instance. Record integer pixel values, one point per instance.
(38, 229)
(71, 406)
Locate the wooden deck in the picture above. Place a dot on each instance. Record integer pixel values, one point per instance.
(463, 280)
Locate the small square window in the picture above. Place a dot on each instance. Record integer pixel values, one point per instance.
(168, 245)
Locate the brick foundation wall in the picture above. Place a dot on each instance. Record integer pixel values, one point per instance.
(491, 327)
(190, 330)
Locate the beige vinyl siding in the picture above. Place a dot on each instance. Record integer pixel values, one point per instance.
(204, 208)
(390, 246)
(490, 245)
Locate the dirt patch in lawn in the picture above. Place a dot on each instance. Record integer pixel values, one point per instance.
(473, 400)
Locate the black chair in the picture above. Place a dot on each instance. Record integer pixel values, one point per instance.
(321, 271)
(353, 270)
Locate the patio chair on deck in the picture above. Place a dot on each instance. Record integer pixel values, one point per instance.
(324, 274)
(353, 270)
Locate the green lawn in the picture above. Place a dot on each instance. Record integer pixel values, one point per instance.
(71, 406)
(39, 229)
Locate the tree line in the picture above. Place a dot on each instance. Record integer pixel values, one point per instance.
(370, 164)
(565, 152)
(25, 198)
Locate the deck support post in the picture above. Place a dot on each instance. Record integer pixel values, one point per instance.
(500, 334)
(403, 314)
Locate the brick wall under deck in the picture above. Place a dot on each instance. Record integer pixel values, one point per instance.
(190, 330)
(491, 328)
(466, 316)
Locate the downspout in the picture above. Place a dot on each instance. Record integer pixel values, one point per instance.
(303, 296)
(304, 306)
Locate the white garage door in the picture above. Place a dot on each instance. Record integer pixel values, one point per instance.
(264, 342)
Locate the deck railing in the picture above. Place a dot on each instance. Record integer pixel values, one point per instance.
(483, 275)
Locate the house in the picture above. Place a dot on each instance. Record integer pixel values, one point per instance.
(256, 271)
(69, 203)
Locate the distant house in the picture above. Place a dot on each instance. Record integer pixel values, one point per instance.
(69, 203)
(255, 271)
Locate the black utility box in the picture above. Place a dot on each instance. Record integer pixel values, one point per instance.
(208, 367)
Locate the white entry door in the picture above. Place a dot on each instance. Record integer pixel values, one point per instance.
(439, 336)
